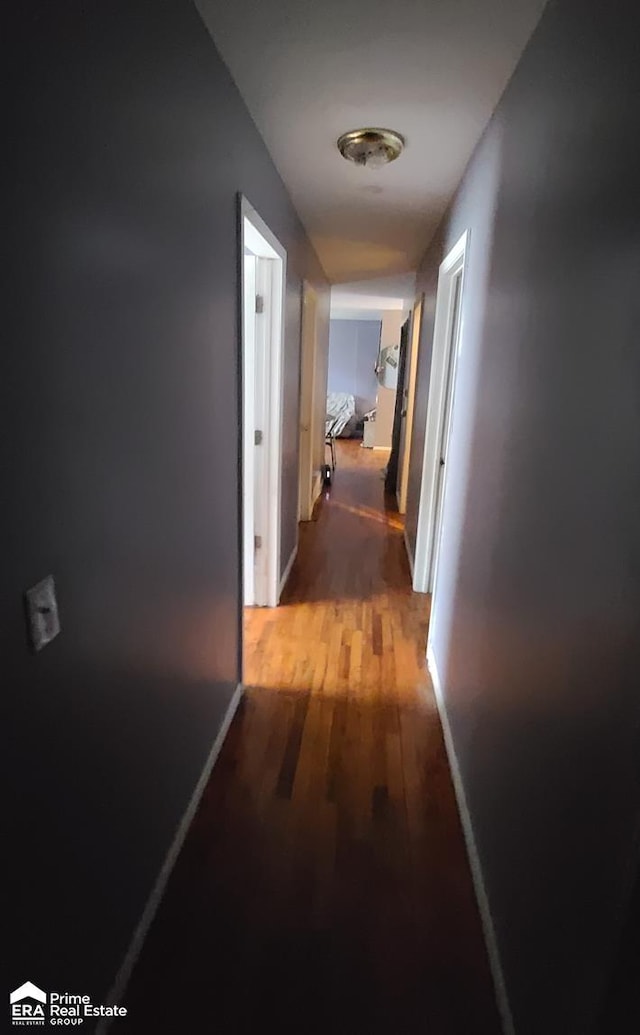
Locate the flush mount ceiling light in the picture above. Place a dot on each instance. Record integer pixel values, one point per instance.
(370, 147)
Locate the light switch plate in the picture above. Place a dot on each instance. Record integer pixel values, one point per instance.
(42, 613)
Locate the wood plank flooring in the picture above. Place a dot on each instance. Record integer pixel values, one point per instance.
(324, 885)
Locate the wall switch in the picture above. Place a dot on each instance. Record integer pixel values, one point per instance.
(42, 613)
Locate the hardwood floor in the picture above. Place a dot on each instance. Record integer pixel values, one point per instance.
(324, 886)
(348, 624)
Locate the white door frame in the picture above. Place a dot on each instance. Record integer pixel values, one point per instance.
(308, 362)
(408, 403)
(261, 473)
(443, 370)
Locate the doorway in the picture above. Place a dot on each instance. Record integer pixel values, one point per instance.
(408, 402)
(263, 279)
(446, 341)
(391, 477)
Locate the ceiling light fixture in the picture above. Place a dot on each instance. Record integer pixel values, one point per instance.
(371, 147)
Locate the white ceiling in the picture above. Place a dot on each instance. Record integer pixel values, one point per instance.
(309, 70)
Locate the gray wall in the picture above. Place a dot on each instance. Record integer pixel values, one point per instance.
(536, 636)
(353, 351)
(119, 455)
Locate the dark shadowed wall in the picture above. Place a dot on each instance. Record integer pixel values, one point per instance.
(536, 632)
(129, 143)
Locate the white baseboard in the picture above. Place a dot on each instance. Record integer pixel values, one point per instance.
(316, 489)
(472, 852)
(287, 570)
(409, 554)
(135, 947)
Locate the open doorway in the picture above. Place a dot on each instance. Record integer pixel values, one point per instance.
(446, 339)
(263, 280)
(408, 403)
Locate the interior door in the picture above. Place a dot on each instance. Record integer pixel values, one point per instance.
(261, 445)
(391, 477)
(248, 402)
(408, 399)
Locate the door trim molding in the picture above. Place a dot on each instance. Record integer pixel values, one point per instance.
(308, 392)
(275, 309)
(453, 264)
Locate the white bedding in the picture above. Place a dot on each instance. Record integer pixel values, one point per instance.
(341, 407)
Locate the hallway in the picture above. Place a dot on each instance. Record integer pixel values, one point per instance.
(324, 886)
(348, 623)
